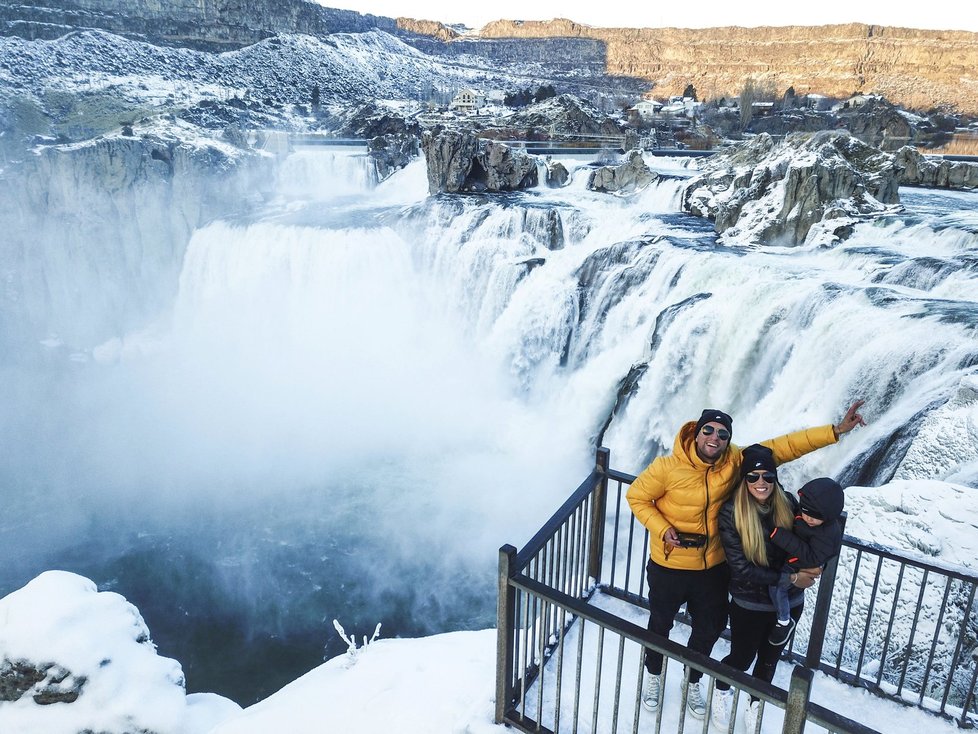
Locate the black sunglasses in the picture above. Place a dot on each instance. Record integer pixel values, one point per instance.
(806, 510)
(722, 433)
(769, 476)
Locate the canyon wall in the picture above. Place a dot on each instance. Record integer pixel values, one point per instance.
(916, 69)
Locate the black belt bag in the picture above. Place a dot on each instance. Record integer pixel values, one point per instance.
(691, 540)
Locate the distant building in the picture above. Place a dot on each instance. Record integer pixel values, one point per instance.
(646, 110)
(467, 100)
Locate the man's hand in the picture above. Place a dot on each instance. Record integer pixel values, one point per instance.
(850, 420)
(670, 538)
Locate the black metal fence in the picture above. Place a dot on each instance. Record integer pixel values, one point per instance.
(899, 627)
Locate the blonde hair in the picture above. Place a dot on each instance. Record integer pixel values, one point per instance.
(747, 519)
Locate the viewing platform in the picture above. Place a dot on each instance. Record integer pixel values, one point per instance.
(571, 632)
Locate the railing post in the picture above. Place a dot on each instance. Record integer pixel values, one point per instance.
(820, 617)
(505, 632)
(598, 510)
(799, 692)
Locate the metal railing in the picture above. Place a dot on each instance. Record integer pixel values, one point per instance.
(875, 625)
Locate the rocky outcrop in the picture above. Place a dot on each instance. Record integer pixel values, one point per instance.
(916, 69)
(390, 153)
(64, 642)
(629, 177)
(939, 173)
(46, 683)
(564, 114)
(460, 162)
(557, 174)
(771, 193)
(368, 120)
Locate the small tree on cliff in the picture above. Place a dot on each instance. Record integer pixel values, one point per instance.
(753, 91)
(690, 93)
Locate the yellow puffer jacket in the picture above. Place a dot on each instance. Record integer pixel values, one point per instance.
(684, 492)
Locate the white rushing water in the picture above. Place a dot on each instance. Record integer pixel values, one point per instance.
(362, 391)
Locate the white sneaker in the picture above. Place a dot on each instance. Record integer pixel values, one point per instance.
(752, 714)
(721, 707)
(694, 700)
(651, 692)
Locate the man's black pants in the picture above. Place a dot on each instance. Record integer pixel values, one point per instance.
(705, 595)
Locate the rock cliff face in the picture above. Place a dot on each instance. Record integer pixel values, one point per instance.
(460, 162)
(917, 69)
(201, 24)
(94, 234)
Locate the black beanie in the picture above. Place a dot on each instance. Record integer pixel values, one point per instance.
(715, 416)
(823, 495)
(757, 458)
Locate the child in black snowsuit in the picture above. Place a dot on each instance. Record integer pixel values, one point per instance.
(815, 538)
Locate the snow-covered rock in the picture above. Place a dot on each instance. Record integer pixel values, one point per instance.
(75, 659)
(946, 444)
(772, 193)
(630, 176)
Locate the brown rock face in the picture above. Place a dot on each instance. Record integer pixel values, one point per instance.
(916, 69)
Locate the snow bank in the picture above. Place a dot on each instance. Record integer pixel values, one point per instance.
(92, 647)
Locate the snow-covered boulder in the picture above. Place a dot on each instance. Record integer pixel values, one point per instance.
(806, 187)
(75, 659)
(630, 176)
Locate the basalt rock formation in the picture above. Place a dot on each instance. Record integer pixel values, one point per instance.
(630, 176)
(938, 173)
(459, 162)
(117, 212)
(916, 69)
(776, 193)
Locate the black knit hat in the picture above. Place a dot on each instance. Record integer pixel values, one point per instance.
(757, 458)
(824, 496)
(715, 416)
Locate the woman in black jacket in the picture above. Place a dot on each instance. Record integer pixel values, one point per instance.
(758, 506)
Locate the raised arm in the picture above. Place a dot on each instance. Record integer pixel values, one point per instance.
(794, 445)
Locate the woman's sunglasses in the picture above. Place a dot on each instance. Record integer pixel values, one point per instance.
(769, 476)
(722, 433)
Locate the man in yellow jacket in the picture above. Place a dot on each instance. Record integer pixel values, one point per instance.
(678, 499)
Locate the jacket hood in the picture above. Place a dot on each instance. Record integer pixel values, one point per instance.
(824, 495)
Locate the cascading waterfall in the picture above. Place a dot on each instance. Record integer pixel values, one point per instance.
(363, 391)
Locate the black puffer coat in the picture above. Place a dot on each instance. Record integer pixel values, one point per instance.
(748, 582)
